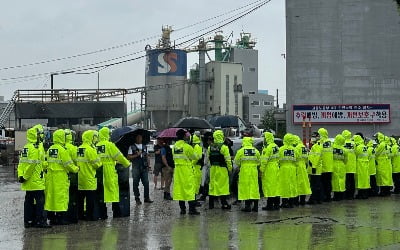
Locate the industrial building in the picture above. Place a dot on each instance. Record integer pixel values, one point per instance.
(343, 62)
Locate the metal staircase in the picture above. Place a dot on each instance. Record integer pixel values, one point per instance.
(8, 109)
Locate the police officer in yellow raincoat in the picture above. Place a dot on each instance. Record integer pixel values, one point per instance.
(57, 188)
(109, 155)
(72, 212)
(383, 169)
(31, 176)
(248, 160)
(396, 166)
(327, 164)
(314, 170)
(270, 172)
(351, 164)
(303, 183)
(88, 161)
(220, 167)
(197, 163)
(184, 179)
(287, 172)
(372, 169)
(362, 176)
(339, 168)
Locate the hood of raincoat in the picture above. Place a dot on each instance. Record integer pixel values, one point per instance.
(358, 140)
(195, 139)
(387, 140)
(288, 140)
(296, 140)
(323, 133)
(393, 140)
(59, 137)
(40, 129)
(370, 143)
(104, 134)
(88, 136)
(32, 135)
(380, 137)
(218, 136)
(339, 140)
(247, 141)
(346, 134)
(68, 136)
(268, 138)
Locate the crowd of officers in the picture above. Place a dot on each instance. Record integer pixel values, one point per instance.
(346, 167)
(69, 183)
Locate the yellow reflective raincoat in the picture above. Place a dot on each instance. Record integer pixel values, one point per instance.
(30, 165)
(395, 158)
(88, 161)
(184, 180)
(198, 153)
(383, 168)
(57, 182)
(220, 165)
(109, 155)
(303, 183)
(339, 167)
(327, 153)
(287, 171)
(362, 176)
(248, 159)
(371, 157)
(270, 166)
(349, 147)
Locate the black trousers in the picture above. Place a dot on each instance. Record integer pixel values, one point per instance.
(92, 208)
(374, 191)
(396, 182)
(350, 186)
(34, 213)
(122, 208)
(100, 194)
(192, 205)
(326, 179)
(72, 213)
(315, 184)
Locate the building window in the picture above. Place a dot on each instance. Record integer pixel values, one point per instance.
(252, 69)
(266, 103)
(255, 103)
(211, 97)
(256, 116)
(227, 94)
(210, 109)
(252, 93)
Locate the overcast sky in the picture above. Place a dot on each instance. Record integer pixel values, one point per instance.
(33, 31)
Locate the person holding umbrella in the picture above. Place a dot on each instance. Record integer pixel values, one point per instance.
(184, 179)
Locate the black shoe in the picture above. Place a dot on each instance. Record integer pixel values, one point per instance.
(138, 202)
(225, 207)
(167, 196)
(197, 204)
(194, 212)
(246, 209)
(148, 201)
(42, 225)
(203, 197)
(255, 209)
(183, 211)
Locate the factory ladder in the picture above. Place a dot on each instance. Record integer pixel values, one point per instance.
(7, 110)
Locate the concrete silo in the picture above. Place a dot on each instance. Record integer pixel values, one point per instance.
(166, 66)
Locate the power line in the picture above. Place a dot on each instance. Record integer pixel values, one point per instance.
(122, 45)
(89, 66)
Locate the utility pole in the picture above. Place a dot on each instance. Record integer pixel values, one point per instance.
(277, 100)
(98, 85)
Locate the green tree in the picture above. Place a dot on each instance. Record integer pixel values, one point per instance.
(269, 123)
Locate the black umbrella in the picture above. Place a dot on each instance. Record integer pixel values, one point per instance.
(125, 136)
(193, 123)
(225, 121)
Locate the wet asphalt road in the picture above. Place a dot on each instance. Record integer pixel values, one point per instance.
(358, 224)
